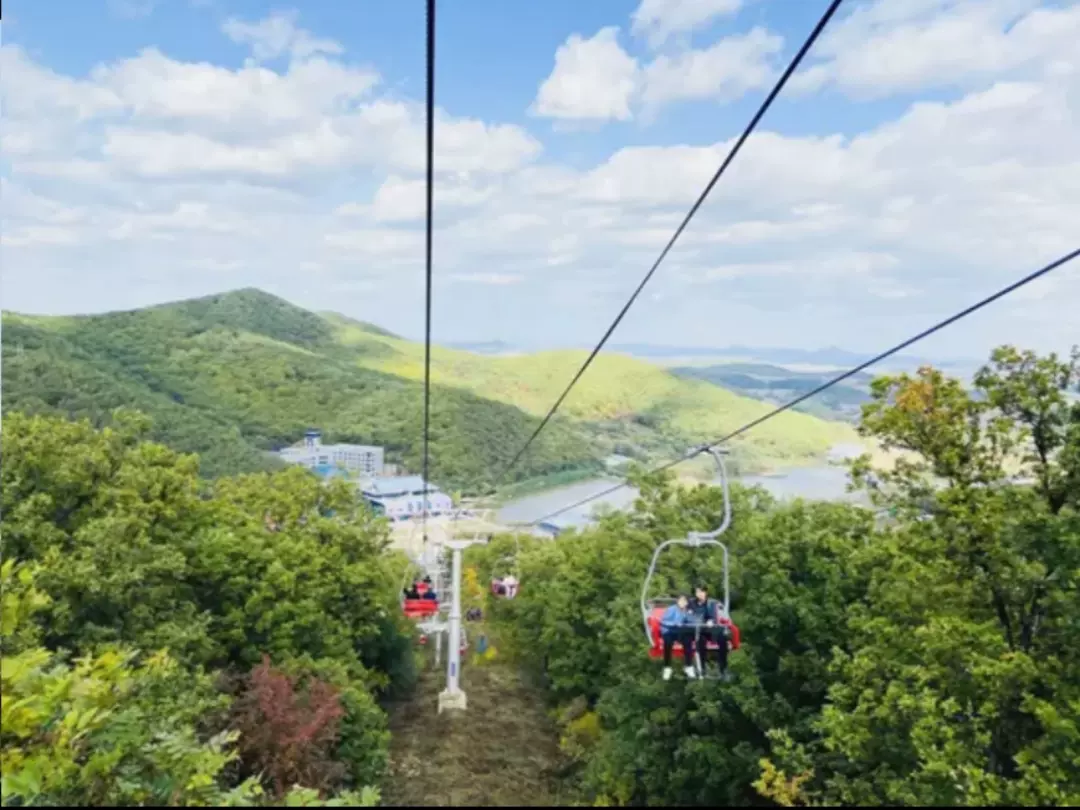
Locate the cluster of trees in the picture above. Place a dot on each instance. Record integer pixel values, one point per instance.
(923, 654)
(169, 640)
(172, 640)
(232, 377)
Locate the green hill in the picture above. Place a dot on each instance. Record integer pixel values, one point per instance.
(638, 408)
(236, 375)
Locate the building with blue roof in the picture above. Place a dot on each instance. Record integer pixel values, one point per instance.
(402, 497)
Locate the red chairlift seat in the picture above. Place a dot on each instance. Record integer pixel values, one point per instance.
(656, 650)
(419, 608)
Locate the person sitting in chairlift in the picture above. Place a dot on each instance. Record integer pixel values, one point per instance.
(707, 614)
(430, 595)
(411, 592)
(510, 586)
(677, 625)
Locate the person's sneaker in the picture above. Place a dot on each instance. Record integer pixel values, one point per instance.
(667, 673)
(690, 672)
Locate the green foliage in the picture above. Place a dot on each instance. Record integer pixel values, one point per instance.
(932, 661)
(129, 549)
(106, 730)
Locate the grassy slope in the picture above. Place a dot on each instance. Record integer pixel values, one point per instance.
(502, 752)
(616, 388)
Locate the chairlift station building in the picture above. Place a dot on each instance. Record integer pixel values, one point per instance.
(402, 497)
(327, 459)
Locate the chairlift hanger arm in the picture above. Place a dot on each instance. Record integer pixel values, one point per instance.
(695, 540)
(718, 456)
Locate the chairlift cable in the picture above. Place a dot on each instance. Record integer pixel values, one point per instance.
(1068, 257)
(427, 257)
(829, 12)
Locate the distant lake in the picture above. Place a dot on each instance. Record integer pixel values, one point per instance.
(824, 482)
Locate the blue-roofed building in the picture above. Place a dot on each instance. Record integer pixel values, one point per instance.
(402, 497)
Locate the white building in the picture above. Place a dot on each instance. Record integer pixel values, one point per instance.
(324, 459)
(402, 497)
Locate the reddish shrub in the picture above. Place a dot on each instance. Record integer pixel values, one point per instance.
(288, 734)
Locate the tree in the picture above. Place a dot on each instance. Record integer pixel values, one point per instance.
(111, 729)
(961, 685)
(927, 660)
(132, 550)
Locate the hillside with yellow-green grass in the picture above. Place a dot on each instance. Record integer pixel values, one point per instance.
(617, 391)
(236, 376)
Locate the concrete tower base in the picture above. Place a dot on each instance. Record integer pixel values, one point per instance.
(451, 701)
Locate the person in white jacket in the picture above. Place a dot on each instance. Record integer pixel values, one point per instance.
(511, 584)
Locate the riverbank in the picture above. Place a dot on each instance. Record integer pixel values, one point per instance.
(814, 479)
(544, 483)
(700, 469)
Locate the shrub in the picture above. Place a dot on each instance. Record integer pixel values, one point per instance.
(289, 735)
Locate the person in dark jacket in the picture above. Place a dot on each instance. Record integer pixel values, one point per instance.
(707, 614)
(676, 624)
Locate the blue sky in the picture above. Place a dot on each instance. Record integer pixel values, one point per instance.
(926, 155)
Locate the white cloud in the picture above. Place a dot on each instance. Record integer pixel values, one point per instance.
(277, 35)
(206, 96)
(593, 79)
(596, 80)
(892, 46)
(130, 185)
(724, 71)
(499, 279)
(159, 153)
(376, 241)
(659, 19)
(401, 200)
(842, 266)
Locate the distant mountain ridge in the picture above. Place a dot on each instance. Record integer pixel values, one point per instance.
(829, 356)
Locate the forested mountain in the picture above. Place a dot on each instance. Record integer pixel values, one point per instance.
(234, 376)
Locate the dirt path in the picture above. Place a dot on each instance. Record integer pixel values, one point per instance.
(501, 752)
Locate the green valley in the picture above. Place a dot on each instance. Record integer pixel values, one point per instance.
(235, 376)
